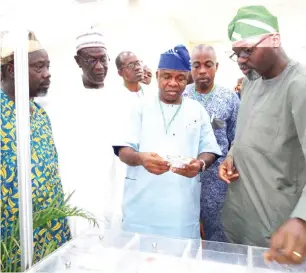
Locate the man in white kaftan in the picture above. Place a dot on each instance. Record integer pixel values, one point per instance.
(85, 127)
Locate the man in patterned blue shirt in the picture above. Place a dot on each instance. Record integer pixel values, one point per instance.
(222, 106)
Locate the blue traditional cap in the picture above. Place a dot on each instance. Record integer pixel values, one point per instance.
(175, 59)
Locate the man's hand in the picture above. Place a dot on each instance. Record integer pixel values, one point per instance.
(227, 171)
(288, 243)
(190, 170)
(154, 163)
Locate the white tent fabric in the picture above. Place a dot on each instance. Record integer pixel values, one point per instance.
(148, 30)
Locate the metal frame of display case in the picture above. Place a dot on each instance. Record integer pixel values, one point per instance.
(21, 70)
(20, 44)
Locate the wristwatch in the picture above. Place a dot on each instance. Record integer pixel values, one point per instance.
(204, 166)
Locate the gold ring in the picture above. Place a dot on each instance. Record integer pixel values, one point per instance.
(297, 254)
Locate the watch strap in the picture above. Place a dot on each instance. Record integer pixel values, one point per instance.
(204, 165)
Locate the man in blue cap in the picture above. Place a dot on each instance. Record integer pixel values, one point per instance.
(168, 143)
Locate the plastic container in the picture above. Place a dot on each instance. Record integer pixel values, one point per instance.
(115, 251)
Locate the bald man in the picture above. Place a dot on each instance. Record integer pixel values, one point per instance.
(222, 106)
(130, 68)
(147, 75)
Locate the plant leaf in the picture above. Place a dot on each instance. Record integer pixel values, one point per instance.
(57, 209)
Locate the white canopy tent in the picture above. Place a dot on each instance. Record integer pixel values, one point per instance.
(147, 28)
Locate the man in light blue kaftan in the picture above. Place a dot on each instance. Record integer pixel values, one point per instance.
(222, 106)
(160, 198)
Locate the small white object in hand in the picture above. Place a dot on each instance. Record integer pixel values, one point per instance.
(178, 161)
(68, 264)
(154, 246)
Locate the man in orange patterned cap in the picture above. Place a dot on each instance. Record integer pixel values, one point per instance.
(46, 183)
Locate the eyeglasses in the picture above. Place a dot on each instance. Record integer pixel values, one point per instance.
(132, 65)
(246, 53)
(91, 61)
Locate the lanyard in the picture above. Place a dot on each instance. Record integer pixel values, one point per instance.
(141, 90)
(167, 126)
(206, 96)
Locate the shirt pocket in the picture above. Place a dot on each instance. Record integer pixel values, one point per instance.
(132, 173)
(192, 127)
(218, 124)
(262, 132)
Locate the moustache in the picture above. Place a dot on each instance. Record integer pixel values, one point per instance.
(252, 75)
(243, 67)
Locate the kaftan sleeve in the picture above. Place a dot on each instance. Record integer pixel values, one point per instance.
(208, 142)
(298, 110)
(129, 134)
(231, 126)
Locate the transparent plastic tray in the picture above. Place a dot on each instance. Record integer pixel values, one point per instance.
(258, 263)
(96, 252)
(115, 251)
(160, 245)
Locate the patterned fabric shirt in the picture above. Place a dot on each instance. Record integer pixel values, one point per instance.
(46, 183)
(222, 106)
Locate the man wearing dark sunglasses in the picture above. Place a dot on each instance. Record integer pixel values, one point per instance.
(266, 205)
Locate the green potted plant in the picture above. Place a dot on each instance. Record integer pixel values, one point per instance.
(10, 261)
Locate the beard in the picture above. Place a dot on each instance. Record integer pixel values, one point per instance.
(252, 75)
(203, 86)
(42, 93)
(38, 93)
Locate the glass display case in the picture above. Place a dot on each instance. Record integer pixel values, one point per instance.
(106, 250)
(115, 251)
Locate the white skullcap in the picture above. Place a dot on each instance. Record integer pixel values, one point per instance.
(90, 38)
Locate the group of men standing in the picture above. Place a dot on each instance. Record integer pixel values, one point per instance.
(181, 147)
